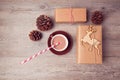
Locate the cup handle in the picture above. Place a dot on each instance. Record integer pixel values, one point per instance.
(51, 35)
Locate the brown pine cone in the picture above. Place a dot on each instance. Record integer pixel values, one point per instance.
(97, 17)
(44, 23)
(35, 35)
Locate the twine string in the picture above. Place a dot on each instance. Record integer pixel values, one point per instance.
(71, 12)
(91, 28)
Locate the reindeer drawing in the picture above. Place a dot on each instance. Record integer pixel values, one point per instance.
(94, 43)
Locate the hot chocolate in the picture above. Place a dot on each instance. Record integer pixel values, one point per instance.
(63, 42)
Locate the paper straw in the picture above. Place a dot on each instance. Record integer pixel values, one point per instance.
(37, 54)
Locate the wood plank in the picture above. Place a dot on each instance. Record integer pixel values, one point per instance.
(58, 68)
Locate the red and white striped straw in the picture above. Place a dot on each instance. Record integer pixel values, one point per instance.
(35, 55)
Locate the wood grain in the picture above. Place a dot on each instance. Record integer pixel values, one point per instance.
(18, 18)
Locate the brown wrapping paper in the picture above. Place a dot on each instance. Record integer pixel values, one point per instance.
(70, 15)
(89, 44)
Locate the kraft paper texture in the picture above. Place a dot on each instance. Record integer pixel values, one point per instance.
(84, 55)
(71, 15)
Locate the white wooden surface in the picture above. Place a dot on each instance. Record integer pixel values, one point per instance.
(18, 18)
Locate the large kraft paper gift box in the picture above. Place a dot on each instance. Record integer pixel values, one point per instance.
(71, 15)
(89, 44)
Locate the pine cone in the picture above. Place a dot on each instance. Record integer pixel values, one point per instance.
(97, 17)
(35, 35)
(44, 23)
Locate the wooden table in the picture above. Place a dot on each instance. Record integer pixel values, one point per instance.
(18, 18)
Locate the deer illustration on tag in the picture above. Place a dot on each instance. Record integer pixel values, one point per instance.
(92, 41)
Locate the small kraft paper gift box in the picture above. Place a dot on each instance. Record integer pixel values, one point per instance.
(71, 15)
(89, 44)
